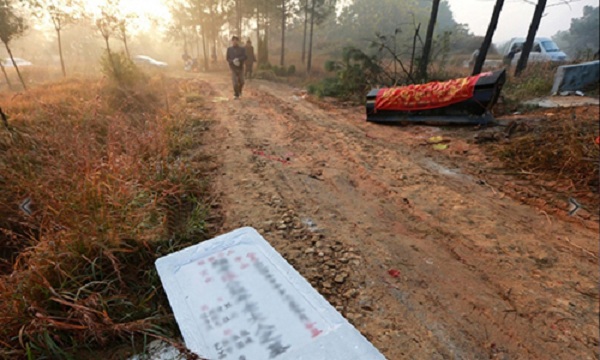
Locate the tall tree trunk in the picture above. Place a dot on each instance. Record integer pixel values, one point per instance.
(533, 28)
(428, 41)
(185, 44)
(310, 41)
(206, 62)
(212, 36)
(258, 46)
(60, 53)
(487, 41)
(215, 58)
(283, 20)
(6, 76)
(238, 4)
(107, 45)
(110, 56)
(267, 34)
(197, 47)
(395, 62)
(305, 28)
(15, 65)
(126, 47)
(414, 49)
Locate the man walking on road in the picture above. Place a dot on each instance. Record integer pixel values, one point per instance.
(236, 56)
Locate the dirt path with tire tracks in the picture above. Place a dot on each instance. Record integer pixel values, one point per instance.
(479, 275)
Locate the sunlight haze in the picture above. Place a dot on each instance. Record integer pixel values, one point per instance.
(514, 20)
(146, 10)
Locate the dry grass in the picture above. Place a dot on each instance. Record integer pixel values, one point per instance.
(107, 198)
(33, 75)
(561, 148)
(536, 81)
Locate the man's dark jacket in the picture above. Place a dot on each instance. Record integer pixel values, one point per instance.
(236, 52)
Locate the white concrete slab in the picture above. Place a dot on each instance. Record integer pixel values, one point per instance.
(235, 298)
(576, 77)
(563, 101)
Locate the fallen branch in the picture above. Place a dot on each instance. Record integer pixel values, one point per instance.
(584, 250)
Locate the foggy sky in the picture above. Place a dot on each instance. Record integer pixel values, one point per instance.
(516, 16)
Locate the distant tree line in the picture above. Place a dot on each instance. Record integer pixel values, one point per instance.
(582, 38)
(419, 28)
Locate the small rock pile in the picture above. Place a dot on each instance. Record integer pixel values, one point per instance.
(330, 266)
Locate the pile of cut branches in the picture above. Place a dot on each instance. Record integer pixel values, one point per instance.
(561, 148)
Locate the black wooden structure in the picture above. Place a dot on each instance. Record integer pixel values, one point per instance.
(476, 110)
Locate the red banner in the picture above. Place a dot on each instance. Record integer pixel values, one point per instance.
(432, 95)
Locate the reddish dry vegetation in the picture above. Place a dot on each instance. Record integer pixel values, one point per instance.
(107, 196)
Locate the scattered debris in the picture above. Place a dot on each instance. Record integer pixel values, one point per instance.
(194, 98)
(394, 273)
(440, 147)
(569, 93)
(310, 224)
(316, 174)
(489, 136)
(284, 160)
(438, 143)
(562, 101)
(219, 99)
(437, 140)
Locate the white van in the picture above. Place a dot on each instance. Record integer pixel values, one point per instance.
(544, 49)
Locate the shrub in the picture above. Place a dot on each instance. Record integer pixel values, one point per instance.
(120, 69)
(264, 66)
(355, 74)
(271, 72)
(127, 86)
(535, 81)
(291, 70)
(279, 71)
(266, 75)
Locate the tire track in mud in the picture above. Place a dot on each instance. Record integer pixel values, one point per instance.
(481, 277)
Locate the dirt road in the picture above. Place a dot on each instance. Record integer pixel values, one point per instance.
(479, 275)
